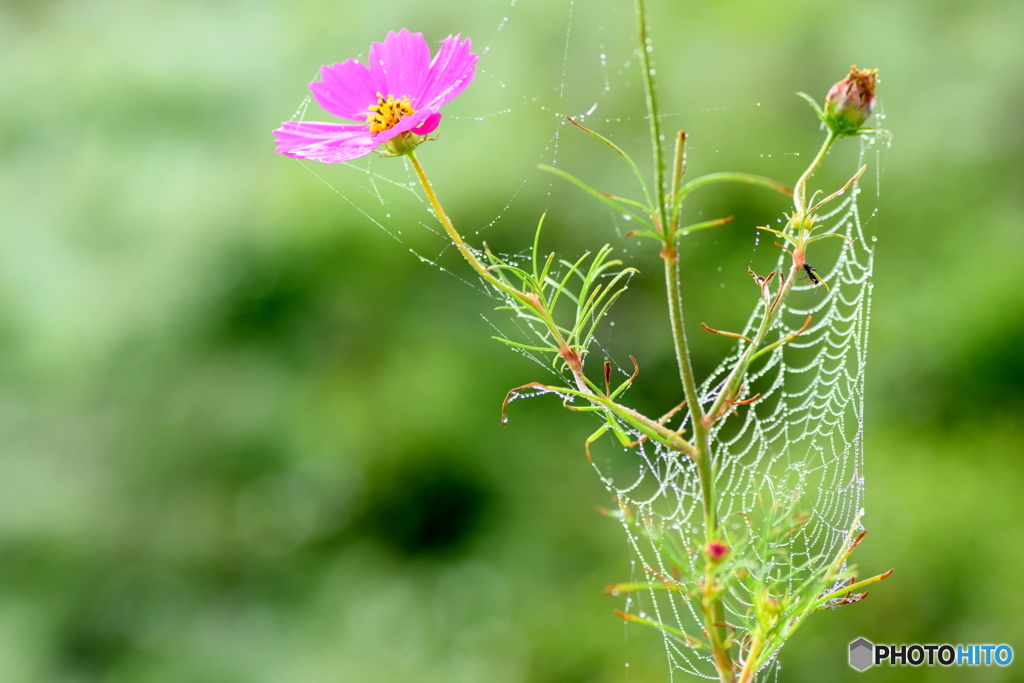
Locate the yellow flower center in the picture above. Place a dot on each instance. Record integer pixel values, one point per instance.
(387, 112)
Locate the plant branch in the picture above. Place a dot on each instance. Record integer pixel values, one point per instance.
(802, 222)
(453, 234)
(750, 664)
(573, 360)
(715, 610)
(800, 192)
(651, 96)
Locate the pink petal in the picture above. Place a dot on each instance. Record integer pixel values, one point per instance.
(429, 124)
(326, 142)
(345, 90)
(450, 72)
(422, 122)
(399, 66)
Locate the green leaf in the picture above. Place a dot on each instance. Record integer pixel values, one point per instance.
(626, 157)
(526, 346)
(814, 105)
(600, 196)
(688, 640)
(536, 245)
(730, 177)
(565, 279)
(706, 224)
(725, 177)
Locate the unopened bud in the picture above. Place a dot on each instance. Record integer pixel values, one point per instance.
(715, 551)
(850, 101)
(767, 609)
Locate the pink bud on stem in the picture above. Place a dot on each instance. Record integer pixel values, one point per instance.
(715, 551)
(850, 101)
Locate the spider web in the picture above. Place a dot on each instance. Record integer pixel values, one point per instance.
(800, 441)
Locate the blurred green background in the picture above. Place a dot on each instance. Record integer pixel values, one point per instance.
(249, 436)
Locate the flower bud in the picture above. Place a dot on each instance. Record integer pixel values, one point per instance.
(767, 609)
(850, 101)
(715, 551)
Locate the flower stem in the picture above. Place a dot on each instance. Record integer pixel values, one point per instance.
(733, 383)
(651, 96)
(714, 610)
(750, 665)
(802, 222)
(675, 313)
(669, 253)
(571, 358)
(453, 234)
(800, 191)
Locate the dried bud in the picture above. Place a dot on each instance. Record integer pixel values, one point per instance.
(850, 101)
(715, 551)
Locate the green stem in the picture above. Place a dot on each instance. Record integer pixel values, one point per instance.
(572, 359)
(678, 169)
(453, 234)
(715, 610)
(750, 665)
(669, 253)
(802, 222)
(739, 371)
(700, 432)
(800, 191)
(651, 95)
(675, 301)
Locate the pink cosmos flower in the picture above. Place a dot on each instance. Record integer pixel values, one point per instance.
(395, 99)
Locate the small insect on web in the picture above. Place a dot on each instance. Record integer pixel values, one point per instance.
(811, 270)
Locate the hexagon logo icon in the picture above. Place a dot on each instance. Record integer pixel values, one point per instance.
(862, 654)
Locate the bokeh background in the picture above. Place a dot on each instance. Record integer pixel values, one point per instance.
(249, 436)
